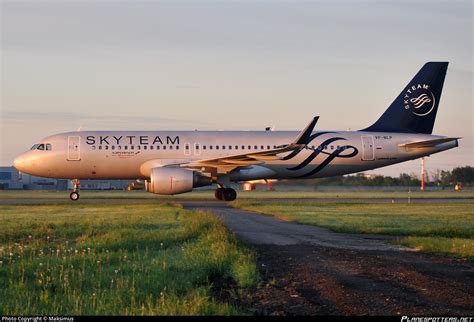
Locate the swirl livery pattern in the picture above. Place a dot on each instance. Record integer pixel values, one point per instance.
(340, 152)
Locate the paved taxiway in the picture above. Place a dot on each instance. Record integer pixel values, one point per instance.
(260, 229)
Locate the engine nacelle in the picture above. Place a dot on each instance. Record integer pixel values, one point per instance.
(172, 181)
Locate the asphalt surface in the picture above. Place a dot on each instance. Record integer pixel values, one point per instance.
(262, 229)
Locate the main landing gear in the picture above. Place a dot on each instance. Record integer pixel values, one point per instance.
(225, 194)
(74, 195)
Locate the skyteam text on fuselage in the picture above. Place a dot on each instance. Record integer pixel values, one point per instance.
(173, 162)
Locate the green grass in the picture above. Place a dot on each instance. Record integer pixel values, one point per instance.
(438, 227)
(460, 247)
(116, 259)
(209, 194)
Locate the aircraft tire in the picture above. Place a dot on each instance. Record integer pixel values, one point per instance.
(219, 193)
(229, 194)
(74, 196)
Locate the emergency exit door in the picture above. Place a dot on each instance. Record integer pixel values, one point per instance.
(74, 148)
(368, 148)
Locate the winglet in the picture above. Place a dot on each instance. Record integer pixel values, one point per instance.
(303, 137)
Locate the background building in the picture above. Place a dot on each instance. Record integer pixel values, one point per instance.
(11, 178)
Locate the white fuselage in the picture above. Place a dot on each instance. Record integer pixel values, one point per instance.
(131, 154)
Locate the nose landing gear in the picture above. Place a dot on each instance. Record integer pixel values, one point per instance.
(225, 194)
(74, 195)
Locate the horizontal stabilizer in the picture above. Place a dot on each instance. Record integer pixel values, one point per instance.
(427, 143)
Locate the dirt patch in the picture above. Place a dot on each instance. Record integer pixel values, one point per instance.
(313, 280)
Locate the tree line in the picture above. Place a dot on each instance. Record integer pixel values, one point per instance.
(443, 178)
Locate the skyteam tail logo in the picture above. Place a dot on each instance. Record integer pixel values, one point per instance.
(419, 99)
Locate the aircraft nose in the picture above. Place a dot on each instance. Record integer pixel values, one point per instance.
(19, 163)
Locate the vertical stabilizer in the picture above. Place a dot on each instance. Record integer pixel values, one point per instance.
(414, 110)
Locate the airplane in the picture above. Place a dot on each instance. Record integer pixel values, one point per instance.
(175, 162)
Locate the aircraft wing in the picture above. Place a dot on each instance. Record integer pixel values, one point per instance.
(230, 162)
(426, 143)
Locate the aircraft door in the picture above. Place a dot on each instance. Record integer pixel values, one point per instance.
(368, 148)
(74, 148)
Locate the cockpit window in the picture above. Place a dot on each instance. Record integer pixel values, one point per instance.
(34, 147)
(48, 147)
(40, 147)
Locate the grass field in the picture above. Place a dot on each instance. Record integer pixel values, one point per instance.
(140, 194)
(116, 259)
(438, 227)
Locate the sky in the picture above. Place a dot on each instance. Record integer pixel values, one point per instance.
(185, 65)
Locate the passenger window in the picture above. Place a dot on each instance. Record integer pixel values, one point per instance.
(177, 147)
(164, 147)
(113, 147)
(249, 147)
(261, 147)
(223, 147)
(230, 147)
(145, 147)
(217, 147)
(125, 147)
(256, 147)
(236, 147)
(243, 147)
(157, 147)
(151, 147)
(210, 147)
(132, 147)
(204, 147)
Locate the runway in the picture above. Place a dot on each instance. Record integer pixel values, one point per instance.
(86, 199)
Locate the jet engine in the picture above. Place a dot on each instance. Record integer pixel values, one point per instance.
(172, 181)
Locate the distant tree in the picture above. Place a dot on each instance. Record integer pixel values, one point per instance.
(463, 174)
(389, 181)
(442, 178)
(445, 178)
(404, 179)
